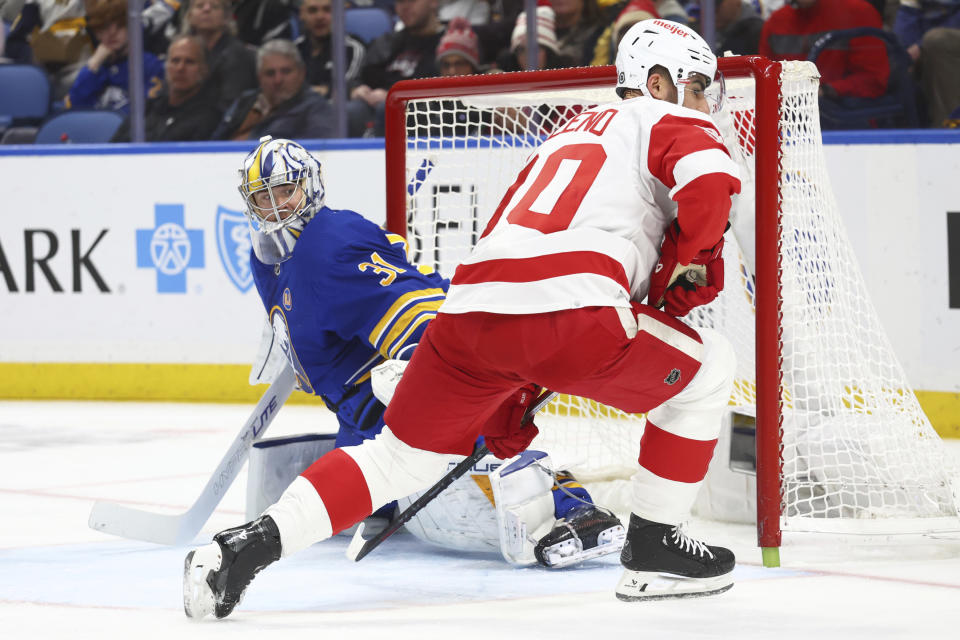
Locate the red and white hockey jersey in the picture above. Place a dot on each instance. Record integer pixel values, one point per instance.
(582, 224)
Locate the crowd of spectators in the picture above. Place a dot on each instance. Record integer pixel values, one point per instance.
(239, 69)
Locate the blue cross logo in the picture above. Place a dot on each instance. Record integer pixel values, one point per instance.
(170, 248)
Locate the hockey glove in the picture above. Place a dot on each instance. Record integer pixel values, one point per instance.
(505, 434)
(678, 288)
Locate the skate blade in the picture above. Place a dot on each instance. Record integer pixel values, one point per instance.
(636, 586)
(198, 599)
(570, 552)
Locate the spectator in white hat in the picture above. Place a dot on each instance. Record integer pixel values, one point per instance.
(547, 50)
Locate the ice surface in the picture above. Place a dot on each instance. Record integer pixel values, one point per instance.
(59, 579)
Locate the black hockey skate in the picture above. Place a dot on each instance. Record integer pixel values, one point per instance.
(216, 575)
(586, 532)
(661, 562)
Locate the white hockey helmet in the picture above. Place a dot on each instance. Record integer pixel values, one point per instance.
(276, 209)
(671, 45)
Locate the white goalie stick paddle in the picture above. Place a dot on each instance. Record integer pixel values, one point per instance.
(360, 546)
(178, 529)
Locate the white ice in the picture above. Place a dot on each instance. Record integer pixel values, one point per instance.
(59, 579)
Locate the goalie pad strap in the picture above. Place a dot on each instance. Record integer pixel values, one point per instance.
(674, 457)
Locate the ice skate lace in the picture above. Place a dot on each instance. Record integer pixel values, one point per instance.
(688, 544)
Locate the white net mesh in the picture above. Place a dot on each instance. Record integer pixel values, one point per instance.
(856, 446)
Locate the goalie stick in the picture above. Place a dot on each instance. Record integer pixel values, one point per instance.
(127, 522)
(360, 547)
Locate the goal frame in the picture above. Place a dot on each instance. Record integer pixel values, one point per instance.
(769, 300)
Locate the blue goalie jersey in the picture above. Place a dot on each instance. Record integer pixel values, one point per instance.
(345, 301)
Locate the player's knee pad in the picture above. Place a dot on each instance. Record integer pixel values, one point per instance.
(393, 469)
(695, 412)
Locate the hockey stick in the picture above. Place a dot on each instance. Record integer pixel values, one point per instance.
(128, 522)
(360, 547)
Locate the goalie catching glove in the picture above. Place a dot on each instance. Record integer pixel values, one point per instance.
(678, 288)
(506, 434)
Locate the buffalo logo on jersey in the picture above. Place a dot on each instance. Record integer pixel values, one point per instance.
(282, 187)
(287, 299)
(281, 332)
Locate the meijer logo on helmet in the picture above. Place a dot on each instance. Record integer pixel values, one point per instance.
(672, 27)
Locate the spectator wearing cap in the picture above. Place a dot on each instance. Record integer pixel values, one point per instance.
(547, 49)
(458, 53)
(532, 119)
(634, 11)
(104, 81)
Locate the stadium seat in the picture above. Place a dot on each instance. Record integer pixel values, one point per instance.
(367, 23)
(19, 135)
(80, 127)
(25, 98)
(896, 108)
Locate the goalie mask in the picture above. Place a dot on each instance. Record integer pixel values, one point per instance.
(282, 190)
(679, 49)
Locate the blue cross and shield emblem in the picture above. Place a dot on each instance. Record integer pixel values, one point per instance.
(233, 244)
(170, 248)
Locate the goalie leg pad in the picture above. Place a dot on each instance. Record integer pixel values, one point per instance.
(276, 462)
(522, 491)
(463, 516)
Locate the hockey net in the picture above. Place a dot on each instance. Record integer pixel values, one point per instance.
(842, 444)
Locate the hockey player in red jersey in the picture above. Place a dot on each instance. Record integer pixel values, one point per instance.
(626, 202)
